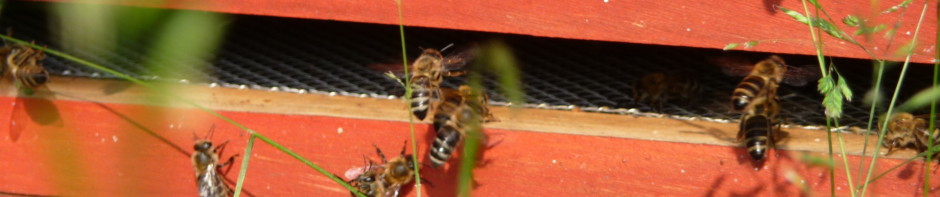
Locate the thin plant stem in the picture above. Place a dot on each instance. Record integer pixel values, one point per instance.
(894, 168)
(244, 170)
(871, 115)
(845, 160)
(408, 92)
(191, 103)
(817, 44)
(933, 112)
(897, 88)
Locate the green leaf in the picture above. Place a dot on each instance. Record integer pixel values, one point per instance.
(846, 92)
(850, 20)
(897, 7)
(730, 46)
(816, 161)
(750, 44)
(890, 33)
(828, 28)
(795, 15)
(825, 84)
(816, 4)
(921, 99)
(905, 49)
(833, 103)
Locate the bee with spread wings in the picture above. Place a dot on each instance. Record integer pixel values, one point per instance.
(428, 71)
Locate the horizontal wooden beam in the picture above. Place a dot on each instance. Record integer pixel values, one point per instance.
(89, 137)
(698, 23)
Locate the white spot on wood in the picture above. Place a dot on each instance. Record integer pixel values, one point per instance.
(605, 1)
(817, 139)
(907, 33)
(688, 29)
(114, 137)
(682, 171)
(735, 180)
(554, 161)
(339, 130)
(171, 126)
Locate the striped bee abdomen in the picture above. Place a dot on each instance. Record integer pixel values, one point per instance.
(420, 97)
(448, 137)
(749, 87)
(757, 135)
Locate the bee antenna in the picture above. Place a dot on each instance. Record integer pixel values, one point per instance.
(211, 131)
(194, 136)
(447, 47)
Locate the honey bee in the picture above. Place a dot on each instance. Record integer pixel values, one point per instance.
(758, 133)
(756, 97)
(654, 89)
(906, 130)
(368, 182)
(765, 76)
(205, 159)
(427, 73)
(396, 172)
(452, 118)
(385, 180)
(23, 64)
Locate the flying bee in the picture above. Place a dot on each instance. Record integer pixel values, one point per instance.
(452, 119)
(24, 65)
(765, 76)
(654, 89)
(907, 130)
(205, 159)
(428, 71)
(770, 72)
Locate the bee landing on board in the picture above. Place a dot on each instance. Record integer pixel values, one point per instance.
(655, 89)
(453, 117)
(906, 130)
(756, 98)
(209, 179)
(368, 181)
(24, 65)
(387, 179)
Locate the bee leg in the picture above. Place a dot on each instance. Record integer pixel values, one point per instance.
(228, 163)
(221, 147)
(404, 147)
(379, 152)
(425, 181)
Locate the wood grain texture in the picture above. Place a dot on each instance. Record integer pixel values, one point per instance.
(702, 24)
(103, 138)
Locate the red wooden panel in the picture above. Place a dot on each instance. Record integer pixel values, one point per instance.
(699, 23)
(88, 149)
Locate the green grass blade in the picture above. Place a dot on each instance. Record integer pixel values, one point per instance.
(244, 170)
(408, 92)
(907, 61)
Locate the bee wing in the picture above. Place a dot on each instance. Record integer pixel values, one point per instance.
(396, 69)
(801, 75)
(18, 120)
(456, 63)
(392, 190)
(732, 65)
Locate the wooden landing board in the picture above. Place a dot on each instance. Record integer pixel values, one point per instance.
(101, 137)
(698, 23)
(80, 148)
